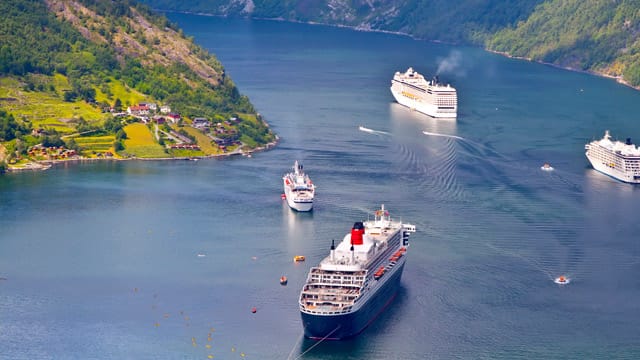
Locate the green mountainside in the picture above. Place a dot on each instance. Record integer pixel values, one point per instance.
(81, 76)
(599, 36)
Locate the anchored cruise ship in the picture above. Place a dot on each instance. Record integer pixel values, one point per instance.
(359, 278)
(620, 160)
(429, 97)
(298, 189)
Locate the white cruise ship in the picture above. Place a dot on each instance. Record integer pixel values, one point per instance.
(428, 97)
(620, 160)
(298, 189)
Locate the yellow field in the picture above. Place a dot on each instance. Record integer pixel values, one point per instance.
(141, 143)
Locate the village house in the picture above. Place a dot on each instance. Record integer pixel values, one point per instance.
(201, 123)
(174, 118)
(165, 109)
(138, 110)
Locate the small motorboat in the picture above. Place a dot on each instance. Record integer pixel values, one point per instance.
(298, 258)
(283, 280)
(562, 280)
(546, 167)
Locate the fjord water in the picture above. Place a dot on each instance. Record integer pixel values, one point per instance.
(164, 260)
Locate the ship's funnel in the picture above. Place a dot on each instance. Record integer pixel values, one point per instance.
(356, 233)
(333, 250)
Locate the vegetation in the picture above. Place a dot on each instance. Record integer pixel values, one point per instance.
(65, 65)
(591, 35)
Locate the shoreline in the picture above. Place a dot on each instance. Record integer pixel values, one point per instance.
(43, 165)
(618, 79)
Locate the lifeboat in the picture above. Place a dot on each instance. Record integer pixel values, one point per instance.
(283, 280)
(378, 274)
(298, 258)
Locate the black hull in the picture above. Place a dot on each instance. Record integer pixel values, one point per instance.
(343, 326)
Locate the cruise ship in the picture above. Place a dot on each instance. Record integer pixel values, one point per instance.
(298, 189)
(359, 278)
(620, 160)
(428, 97)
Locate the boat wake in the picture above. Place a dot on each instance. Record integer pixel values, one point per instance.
(371, 131)
(443, 135)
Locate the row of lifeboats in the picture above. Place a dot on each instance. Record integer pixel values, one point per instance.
(393, 259)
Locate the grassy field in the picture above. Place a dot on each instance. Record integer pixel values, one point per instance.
(95, 144)
(46, 109)
(141, 143)
(119, 91)
(203, 141)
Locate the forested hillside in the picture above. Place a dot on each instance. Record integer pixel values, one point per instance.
(67, 65)
(592, 35)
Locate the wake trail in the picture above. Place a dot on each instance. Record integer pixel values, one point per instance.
(443, 135)
(371, 131)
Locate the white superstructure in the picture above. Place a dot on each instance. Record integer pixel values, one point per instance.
(429, 97)
(620, 160)
(298, 189)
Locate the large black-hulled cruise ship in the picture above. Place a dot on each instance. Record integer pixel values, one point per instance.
(359, 278)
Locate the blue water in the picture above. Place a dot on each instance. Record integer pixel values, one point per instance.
(157, 260)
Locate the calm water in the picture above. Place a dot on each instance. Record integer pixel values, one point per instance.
(157, 260)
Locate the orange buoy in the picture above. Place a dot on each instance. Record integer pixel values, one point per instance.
(253, 309)
(283, 280)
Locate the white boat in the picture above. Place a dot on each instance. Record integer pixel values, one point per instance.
(428, 97)
(298, 189)
(620, 160)
(546, 167)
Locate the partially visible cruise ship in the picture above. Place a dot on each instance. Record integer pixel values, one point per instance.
(359, 278)
(429, 97)
(298, 189)
(619, 160)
